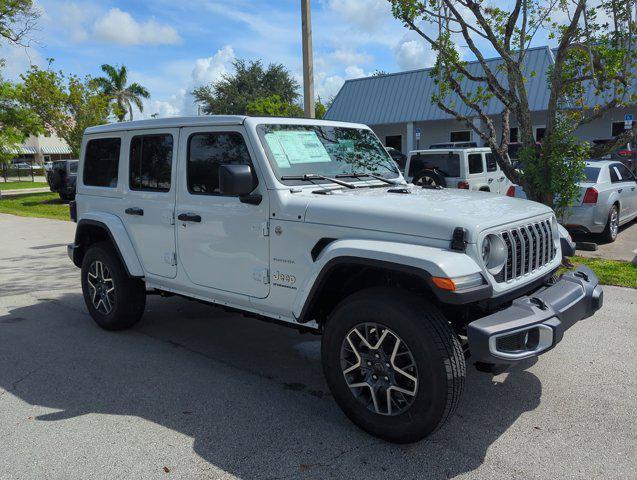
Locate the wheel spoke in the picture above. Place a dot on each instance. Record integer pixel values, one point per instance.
(379, 369)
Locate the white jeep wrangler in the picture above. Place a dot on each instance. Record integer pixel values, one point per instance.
(464, 167)
(309, 223)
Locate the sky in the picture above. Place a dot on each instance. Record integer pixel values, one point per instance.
(171, 47)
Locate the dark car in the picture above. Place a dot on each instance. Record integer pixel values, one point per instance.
(62, 178)
(398, 157)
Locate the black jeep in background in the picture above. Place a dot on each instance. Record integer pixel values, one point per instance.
(62, 178)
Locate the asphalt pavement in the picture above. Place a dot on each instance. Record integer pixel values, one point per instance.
(195, 392)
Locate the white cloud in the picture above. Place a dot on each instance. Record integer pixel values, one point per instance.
(413, 53)
(354, 71)
(121, 28)
(350, 57)
(211, 69)
(369, 15)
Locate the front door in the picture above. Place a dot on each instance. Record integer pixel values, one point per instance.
(222, 243)
(150, 197)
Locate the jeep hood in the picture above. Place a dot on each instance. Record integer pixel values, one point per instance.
(421, 212)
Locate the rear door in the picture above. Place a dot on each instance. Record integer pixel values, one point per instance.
(624, 180)
(149, 204)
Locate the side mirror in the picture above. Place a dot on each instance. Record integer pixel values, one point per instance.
(238, 180)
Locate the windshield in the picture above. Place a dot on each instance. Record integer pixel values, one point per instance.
(297, 150)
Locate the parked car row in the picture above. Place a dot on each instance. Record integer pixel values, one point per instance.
(608, 197)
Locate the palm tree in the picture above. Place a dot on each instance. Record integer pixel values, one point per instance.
(114, 86)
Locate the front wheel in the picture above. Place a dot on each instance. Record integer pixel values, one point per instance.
(114, 300)
(393, 364)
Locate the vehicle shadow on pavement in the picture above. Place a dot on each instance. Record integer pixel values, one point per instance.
(250, 394)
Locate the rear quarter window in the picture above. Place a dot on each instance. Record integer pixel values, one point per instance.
(101, 162)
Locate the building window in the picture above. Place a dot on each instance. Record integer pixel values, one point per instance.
(460, 136)
(514, 136)
(151, 158)
(394, 141)
(539, 132)
(617, 129)
(475, 163)
(206, 153)
(101, 162)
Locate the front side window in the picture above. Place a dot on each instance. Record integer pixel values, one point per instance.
(101, 162)
(206, 153)
(297, 150)
(150, 164)
(475, 163)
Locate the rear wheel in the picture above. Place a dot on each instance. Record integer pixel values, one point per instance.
(393, 364)
(612, 225)
(114, 300)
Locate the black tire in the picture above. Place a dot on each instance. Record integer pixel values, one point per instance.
(435, 349)
(429, 178)
(128, 299)
(610, 231)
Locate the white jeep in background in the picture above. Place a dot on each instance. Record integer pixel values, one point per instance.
(310, 224)
(457, 166)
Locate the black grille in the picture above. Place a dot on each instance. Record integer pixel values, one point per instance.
(529, 247)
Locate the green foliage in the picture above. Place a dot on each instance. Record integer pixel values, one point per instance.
(249, 83)
(552, 175)
(273, 106)
(64, 105)
(114, 86)
(17, 19)
(17, 121)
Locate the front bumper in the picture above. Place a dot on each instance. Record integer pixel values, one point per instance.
(535, 323)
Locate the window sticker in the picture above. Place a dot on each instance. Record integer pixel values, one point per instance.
(293, 148)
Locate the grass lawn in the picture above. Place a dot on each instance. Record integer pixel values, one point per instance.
(21, 185)
(610, 272)
(44, 205)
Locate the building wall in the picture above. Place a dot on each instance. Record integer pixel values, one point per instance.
(439, 131)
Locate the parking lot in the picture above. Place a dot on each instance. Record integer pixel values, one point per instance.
(197, 392)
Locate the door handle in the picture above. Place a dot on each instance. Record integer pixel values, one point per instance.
(620, 190)
(490, 180)
(189, 217)
(502, 178)
(134, 211)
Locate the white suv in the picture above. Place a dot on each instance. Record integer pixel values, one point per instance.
(471, 168)
(310, 224)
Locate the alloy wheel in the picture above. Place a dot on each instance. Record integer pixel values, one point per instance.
(614, 222)
(101, 287)
(379, 369)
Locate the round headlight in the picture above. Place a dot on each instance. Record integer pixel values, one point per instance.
(496, 253)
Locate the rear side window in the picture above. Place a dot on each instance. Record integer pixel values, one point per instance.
(208, 151)
(150, 165)
(101, 162)
(492, 164)
(475, 163)
(72, 167)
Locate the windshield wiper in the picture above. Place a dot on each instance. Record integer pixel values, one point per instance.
(361, 175)
(308, 177)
